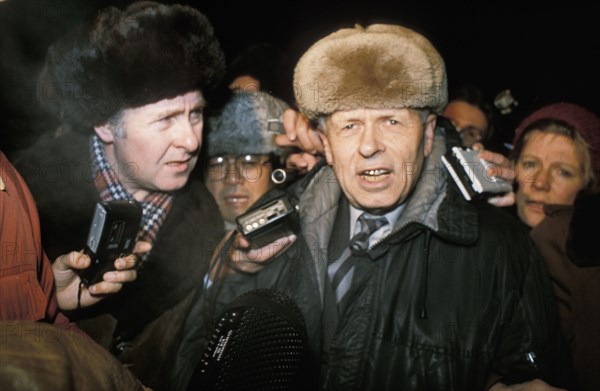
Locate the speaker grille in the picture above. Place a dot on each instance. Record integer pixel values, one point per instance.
(259, 343)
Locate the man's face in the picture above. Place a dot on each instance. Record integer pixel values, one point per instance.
(377, 155)
(468, 119)
(157, 145)
(236, 182)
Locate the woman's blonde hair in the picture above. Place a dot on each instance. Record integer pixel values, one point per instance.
(549, 125)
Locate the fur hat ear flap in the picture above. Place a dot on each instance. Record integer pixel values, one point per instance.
(382, 66)
(125, 59)
(247, 125)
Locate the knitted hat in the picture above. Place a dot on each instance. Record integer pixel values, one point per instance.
(379, 67)
(126, 59)
(586, 123)
(247, 125)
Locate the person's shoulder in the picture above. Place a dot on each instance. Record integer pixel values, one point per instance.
(503, 215)
(194, 199)
(319, 174)
(58, 172)
(11, 179)
(194, 191)
(51, 149)
(502, 223)
(582, 246)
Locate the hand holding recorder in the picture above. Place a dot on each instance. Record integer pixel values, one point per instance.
(242, 256)
(83, 278)
(264, 231)
(502, 168)
(474, 176)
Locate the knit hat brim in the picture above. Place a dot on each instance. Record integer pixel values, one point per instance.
(586, 123)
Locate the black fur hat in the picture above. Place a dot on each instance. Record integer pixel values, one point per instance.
(124, 59)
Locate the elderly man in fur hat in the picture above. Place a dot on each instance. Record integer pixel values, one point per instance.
(402, 283)
(128, 89)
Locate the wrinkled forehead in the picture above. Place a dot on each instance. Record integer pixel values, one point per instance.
(368, 114)
(189, 101)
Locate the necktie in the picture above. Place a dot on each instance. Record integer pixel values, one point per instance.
(341, 270)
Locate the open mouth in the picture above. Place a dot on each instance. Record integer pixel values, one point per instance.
(375, 175)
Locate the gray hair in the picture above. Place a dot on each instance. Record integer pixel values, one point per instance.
(116, 123)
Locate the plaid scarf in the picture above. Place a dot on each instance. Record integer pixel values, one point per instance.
(155, 206)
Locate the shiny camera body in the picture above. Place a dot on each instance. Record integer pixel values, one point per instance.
(469, 172)
(112, 234)
(268, 222)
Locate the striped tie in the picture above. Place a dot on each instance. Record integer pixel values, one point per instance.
(342, 269)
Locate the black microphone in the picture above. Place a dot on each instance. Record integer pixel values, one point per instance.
(259, 343)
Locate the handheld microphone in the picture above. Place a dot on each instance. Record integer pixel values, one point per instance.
(259, 343)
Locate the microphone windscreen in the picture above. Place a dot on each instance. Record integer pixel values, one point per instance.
(259, 343)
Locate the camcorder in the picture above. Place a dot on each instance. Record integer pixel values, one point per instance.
(112, 234)
(469, 172)
(268, 222)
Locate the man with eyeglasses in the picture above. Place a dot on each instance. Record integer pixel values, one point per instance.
(242, 153)
(470, 115)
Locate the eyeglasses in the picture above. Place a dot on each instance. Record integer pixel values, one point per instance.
(470, 133)
(248, 167)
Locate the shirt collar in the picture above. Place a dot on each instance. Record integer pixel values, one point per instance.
(391, 216)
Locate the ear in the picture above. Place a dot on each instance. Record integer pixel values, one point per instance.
(428, 134)
(326, 145)
(105, 133)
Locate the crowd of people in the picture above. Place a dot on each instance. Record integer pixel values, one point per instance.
(402, 283)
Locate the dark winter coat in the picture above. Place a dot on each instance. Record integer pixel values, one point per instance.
(577, 290)
(455, 298)
(144, 314)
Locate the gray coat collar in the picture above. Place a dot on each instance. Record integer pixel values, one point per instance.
(319, 203)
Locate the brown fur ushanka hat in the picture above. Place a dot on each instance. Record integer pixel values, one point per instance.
(125, 59)
(378, 67)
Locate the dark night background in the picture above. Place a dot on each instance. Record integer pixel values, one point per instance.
(543, 52)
